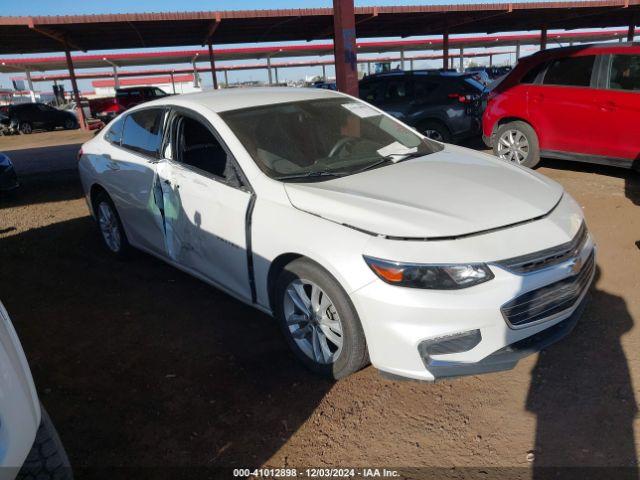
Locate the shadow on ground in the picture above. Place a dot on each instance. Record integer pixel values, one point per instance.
(141, 365)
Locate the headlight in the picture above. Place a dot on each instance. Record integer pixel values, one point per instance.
(434, 277)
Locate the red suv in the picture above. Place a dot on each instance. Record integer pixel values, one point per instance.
(575, 103)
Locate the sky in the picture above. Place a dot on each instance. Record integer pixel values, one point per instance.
(70, 7)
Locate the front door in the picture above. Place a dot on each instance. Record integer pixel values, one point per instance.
(205, 206)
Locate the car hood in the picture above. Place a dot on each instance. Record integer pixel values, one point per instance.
(449, 193)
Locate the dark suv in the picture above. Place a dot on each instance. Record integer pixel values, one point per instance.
(445, 106)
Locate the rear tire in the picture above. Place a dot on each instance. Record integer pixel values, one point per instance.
(516, 142)
(338, 347)
(26, 128)
(110, 226)
(47, 458)
(435, 130)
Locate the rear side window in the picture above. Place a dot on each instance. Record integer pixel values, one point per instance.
(369, 91)
(143, 131)
(424, 87)
(114, 134)
(625, 72)
(396, 89)
(532, 74)
(570, 71)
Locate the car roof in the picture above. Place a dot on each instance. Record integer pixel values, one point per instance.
(434, 73)
(238, 98)
(589, 48)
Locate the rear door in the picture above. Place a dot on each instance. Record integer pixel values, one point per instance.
(130, 171)
(617, 105)
(560, 108)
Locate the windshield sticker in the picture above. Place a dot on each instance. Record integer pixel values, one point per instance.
(361, 110)
(396, 148)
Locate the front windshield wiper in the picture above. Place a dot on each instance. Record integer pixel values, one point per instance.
(321, 173)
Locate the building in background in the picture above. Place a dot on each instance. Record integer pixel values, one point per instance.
(179, 84)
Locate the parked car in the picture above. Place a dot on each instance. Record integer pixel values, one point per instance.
(8, 177)
(365, 239)
(7, 125)
(480, 75)
(574, 103)
(29, 444)
(38, 116)
(107, 108)
(445, 106)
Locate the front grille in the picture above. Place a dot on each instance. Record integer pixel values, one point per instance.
(548, 257)
(550, 299)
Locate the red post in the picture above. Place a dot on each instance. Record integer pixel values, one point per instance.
(543, 39)
(344, 46)
(631, 33)
(76, 94)
(212, 60)
(445, 50)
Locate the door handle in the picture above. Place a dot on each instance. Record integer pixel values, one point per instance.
(608, 106)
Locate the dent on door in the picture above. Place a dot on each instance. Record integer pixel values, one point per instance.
(166, 197)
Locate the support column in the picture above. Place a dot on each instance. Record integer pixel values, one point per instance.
(344, 46)
(269, 70)
(116, 80)
(462, 60)
(543, 39)
(491, 60)
(275, 70)
(212, 61)
(368, 68)
(74, 86)
(411, 64)
(32, 92)
(445, 50)
(402, 59)
(324, 73)
(517, 51)
(226, 79)
(173, 83)
(631, 33)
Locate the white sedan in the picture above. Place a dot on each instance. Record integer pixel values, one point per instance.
(365, 240)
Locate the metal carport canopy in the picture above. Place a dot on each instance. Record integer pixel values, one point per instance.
(138, 59)
(145, 30)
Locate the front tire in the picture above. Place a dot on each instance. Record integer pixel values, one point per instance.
(112, 233)
(318, 320)
(517, 142)
(70, 124)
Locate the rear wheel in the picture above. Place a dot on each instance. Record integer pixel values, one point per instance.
(517, 142)
(319, 321)
(26, 128)
(435, 130)
(111, 230)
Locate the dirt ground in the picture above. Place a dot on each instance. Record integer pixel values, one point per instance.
(141, 365)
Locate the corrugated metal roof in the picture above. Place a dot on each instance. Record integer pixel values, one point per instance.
(144, 30)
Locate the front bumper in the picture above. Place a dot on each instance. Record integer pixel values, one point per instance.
(467, 328)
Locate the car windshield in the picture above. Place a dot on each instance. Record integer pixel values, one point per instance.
(323, 138)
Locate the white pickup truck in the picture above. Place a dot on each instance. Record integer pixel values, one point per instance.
(29, 444)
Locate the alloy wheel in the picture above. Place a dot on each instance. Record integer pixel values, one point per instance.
(26, 128)
(434, 135)
(313, 321)
(109, 227)
(513, 146)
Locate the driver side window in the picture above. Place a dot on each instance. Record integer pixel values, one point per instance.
(196, 146)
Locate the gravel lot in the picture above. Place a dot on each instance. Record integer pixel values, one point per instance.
(141, 365)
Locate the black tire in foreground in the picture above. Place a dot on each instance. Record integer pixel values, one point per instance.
(353, 354)
(47, 458)
(517, 142)
(110, 226)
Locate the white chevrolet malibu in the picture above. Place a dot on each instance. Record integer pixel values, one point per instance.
(365, 240)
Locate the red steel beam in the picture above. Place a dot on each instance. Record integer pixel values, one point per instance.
(76, 92)
(344, 45)
(445, 50)
(212, 61)
(543, 38)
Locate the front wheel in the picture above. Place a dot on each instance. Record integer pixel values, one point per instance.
(70, 123)
(517, 142)
(319, 321)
